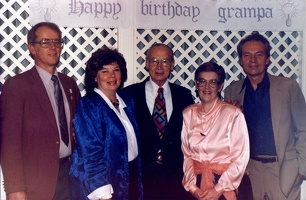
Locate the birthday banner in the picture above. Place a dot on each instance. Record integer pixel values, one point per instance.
(248, 15)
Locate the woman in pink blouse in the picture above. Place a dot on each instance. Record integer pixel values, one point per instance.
(215, 140)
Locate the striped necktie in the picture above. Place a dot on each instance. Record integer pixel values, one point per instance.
(61, 110)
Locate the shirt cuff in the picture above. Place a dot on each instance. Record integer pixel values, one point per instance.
(193, 188)
(219, 188)
(104, 192)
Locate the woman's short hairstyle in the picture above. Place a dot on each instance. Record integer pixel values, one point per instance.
(211, 67)
(100, 58)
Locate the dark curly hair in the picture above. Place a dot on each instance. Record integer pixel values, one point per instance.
(100, 58)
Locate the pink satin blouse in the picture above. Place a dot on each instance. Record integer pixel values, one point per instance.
(218, 136)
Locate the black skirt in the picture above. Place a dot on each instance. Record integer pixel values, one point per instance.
(133, 180)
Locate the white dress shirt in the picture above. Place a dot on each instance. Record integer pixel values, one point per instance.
(151, 94)
(105, 192)
(48, 83)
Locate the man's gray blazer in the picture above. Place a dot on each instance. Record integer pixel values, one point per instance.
(288, 112)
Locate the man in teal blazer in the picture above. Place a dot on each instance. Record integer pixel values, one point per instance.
(275, 112)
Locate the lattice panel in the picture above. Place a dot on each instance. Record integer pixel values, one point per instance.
(191, 48)
(79, 44)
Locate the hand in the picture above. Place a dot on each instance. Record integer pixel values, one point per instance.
(211, 194)
(198, 194)
(17, 196)
(235, 103)
(302, 177)
(247, 171)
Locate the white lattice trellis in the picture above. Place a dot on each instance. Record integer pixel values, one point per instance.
(191, 48)
(79, 44)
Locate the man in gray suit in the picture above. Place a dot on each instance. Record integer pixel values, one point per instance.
(275, 113)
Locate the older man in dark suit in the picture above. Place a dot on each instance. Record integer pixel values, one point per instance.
(161, 154)
(35, 150)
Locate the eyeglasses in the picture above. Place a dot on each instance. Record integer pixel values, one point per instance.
(211, 83)
(46, 43)
(155, 62)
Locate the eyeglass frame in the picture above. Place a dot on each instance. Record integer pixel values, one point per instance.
(211, 83)
(164, 62)
(51, 41)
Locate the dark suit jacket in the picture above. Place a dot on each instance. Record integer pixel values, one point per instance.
(30, 137)
(288, 110)
(172, 169)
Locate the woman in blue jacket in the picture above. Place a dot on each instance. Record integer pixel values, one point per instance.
(105, 161)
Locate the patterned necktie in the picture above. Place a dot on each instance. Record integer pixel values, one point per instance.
(159, 113)
(61, 110)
